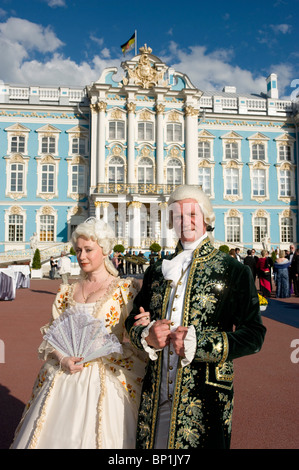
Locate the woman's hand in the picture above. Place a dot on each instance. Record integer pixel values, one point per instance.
(143, 318)
(69, 363)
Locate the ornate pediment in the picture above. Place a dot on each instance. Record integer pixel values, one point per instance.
(145, 73)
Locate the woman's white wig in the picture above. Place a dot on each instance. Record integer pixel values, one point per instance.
(101, 232)
(186, 191)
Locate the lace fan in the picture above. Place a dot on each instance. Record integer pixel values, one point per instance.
(77, 333)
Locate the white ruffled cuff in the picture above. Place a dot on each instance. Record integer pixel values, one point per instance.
(151, 351)
(190, 346)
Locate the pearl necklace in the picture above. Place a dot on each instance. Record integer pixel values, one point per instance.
(93, 292)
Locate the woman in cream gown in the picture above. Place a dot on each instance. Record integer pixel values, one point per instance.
(92, 405)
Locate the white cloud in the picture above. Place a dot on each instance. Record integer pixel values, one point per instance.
(281, 28)
(56, 3)
(212, 71)
(29, 35)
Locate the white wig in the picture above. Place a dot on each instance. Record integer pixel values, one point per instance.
(102, 233)
(194, 192)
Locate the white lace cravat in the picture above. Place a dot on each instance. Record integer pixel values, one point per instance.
(172, 269)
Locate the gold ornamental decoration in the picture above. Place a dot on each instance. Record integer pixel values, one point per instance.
(144, 74)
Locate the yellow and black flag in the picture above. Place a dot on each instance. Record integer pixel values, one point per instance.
(128, 46)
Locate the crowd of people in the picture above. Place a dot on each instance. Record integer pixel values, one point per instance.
(276, 273)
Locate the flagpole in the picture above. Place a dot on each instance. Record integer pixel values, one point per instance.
(135, 41)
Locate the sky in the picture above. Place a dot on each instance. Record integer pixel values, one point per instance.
(217, 43)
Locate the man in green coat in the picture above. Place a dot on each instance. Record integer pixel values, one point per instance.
(204, 312)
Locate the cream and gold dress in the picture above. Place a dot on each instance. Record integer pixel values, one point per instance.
(96, 408)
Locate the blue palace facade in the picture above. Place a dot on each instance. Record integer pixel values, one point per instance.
(116, 150)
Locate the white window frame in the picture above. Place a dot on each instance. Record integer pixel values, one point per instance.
(145, 127)
(48, 132)
(14, 210)
(116, 136)
(180, 165)
(286, 167)
(17, 159)
(46, 211)
(288, 215)
(142, 164)
(171, 128)
(47, 160)
(119, 163)
(257, 166)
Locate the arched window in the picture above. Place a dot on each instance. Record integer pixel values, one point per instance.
(46, 228)
(15, 228)
(260, 229)
(286, 230)
(145, 171)
(174, 171)
(116, 170)
(233, 230)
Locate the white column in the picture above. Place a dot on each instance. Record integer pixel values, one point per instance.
(134, 227)
(101, 143)
(93, 146)
(191, 145)
(105, 206)
(131, 143)
(98, 209)
(159, 144)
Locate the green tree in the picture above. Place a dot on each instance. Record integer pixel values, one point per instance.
(224, 248)
(119, 249)
(155, 247)
(36, 262)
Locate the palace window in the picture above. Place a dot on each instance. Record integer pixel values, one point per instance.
(145, 171)
(260, 229)
(174, 132)
(116, 170)
(17, 144)
(259, 182)
(286, 230)
(17, 177)
(116, 130)
(47, 178)
(233, 230)
(232, 181)
(48, 145)
(78, 146)
(204, 179)
(232, 150)
(204, 149)
(46, 228)
(78, 179)
(145, 131)
(174, 171)
(285, 188)
(285, 153)
(15, 228)
(258, 152)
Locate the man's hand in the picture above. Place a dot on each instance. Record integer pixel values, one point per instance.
(177, 340)
(159, 334)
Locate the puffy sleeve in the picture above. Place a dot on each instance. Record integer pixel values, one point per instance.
(58, 307)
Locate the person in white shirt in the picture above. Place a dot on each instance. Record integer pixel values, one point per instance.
(204, 312)
(64, 267)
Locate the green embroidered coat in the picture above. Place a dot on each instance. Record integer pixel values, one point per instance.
(221, 302)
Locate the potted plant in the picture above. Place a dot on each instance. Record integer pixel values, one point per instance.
(263, 303)
(36, 266)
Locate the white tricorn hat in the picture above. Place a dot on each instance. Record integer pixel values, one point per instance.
(193, 192)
